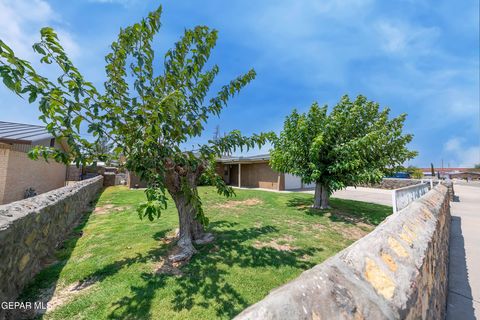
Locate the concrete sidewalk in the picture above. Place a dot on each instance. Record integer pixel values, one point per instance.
(464, 269)
(372, 195)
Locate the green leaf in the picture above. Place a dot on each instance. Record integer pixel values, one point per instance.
(32, 97)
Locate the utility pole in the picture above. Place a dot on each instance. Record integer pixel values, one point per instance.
(442, 169)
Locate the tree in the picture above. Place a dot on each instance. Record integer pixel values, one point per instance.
(103, 149)
(146, 113)
(432, 170)
(414, 172)
(216, 133)
(355, 143)
(477, 166)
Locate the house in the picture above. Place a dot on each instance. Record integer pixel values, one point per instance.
(18, 173)
(447, 172)
(244, 172)
(467, 175)
(255, 172)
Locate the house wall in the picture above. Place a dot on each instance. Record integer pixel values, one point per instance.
(260, 175)
(21, 173)
(234, 174)
(223, 170)
(4, 153)
(292, 182)
(254, 175)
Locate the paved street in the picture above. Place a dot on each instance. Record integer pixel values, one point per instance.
(379, 196)
(464, 275)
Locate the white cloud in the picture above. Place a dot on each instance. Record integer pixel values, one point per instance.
(464, 155)
(400, 37)
(453, 144)
(21, 20)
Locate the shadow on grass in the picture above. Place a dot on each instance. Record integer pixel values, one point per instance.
(44, 283)
(347, 211)
(203, 283)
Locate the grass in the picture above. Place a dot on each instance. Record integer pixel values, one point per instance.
(108, 269)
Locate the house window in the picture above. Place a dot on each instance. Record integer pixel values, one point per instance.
(52, 142)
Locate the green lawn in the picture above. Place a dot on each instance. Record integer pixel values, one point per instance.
(111, 268)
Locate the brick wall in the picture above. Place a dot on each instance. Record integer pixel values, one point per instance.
(4, 154)
(398, 271)
(21, 173)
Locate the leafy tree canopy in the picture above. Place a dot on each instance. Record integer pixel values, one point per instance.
(145, 112)
(355, 143)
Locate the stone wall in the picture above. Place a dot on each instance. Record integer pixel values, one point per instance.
(399, 271)
(133, 181)
(31, 230)
(392, 183)
(451, 190)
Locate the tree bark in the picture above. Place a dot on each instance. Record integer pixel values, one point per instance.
(317, 198)
(325, 198)
(191, 230)
(321, 197)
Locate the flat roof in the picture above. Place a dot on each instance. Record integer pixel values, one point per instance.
(231, 159)
(11, 132)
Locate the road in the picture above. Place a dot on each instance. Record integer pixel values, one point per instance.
(464, 269)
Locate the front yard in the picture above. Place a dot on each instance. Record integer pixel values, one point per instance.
(113, 266)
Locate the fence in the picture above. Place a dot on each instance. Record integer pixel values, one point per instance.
(404, 196)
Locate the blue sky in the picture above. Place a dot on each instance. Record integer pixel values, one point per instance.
(415, 56)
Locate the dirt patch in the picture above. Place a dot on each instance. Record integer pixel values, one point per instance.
(293, 222)
(318, 227)
(109, 208)
(165, 266)
(280, 244)
(233, 204)
(53, 297)
(348, 232)
(258, 224)
(103, 209)
(171, 236)
(358, 221)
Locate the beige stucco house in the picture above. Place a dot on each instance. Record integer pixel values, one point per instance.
(18, 172)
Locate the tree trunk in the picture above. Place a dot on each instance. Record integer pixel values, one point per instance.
(325, 198)
(321, 197)
(191, 230)
(317, 198)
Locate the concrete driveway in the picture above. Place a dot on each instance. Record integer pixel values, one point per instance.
(464, 269)
(378, 196)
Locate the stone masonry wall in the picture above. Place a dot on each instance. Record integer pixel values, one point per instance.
(31, 229)
(392, 183)
(399, 271)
